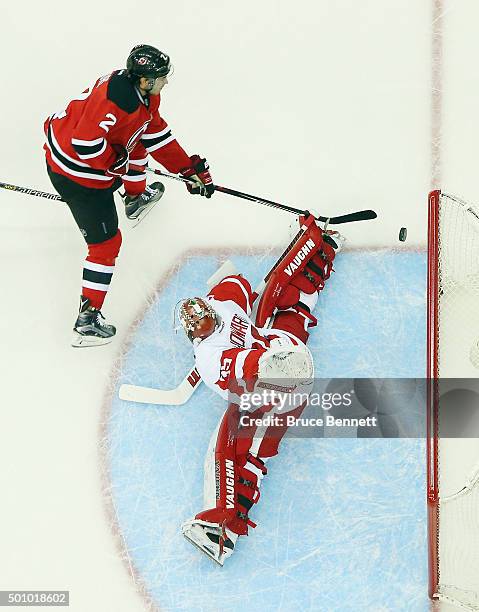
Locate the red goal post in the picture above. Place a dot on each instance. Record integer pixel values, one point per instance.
(452, 353)
(432, 376)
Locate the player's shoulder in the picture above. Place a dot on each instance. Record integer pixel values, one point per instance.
(234, 288)
(122, 93)
(223, 307)
(208, 355)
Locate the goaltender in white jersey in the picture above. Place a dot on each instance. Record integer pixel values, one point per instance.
(236, 346)
(236, 356)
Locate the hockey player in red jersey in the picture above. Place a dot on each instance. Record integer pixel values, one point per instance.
(99, 143)
(235, 355)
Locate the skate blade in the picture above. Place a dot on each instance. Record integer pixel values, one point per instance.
(210, 555)
(137, 220)
(79, 341)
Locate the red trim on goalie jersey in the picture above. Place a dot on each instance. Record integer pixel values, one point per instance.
(234, 288)
(239, 369)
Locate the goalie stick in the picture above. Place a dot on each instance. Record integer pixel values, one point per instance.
(171, 397)
(182, 393)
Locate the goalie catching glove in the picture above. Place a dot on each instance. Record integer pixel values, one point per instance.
(199, 175)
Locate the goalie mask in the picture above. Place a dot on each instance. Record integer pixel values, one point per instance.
(197, 318)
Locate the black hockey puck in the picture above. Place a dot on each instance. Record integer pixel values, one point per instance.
(402, 234)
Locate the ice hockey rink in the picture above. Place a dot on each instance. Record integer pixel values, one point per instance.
(336, 106)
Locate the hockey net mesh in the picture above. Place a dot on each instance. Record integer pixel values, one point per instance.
(453, 476)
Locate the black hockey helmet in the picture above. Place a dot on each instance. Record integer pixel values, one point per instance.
(147, 61)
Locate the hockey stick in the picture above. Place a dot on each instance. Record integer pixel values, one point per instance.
(171, 397)
(360, 215)
(29, 191)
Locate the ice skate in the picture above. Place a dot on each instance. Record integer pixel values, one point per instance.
(334, 239)
(211, 538)
(90, 329)
(137, 207)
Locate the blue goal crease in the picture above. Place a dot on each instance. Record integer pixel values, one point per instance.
(340, 519)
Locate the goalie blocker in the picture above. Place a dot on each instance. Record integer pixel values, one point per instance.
(272, 347)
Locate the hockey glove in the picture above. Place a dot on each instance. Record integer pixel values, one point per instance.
(120, 166)
(199, 175)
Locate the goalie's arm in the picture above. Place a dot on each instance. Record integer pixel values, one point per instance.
(234, 288)
(231, 371)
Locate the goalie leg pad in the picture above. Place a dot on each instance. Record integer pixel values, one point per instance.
(304, 267)
(296, 321)
(235, 465)
(231, 476)
(270, 442)
(316, 272)
(242, 485)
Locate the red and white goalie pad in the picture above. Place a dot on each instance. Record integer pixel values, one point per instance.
(234, 467)
(300, 273)
(232, 475)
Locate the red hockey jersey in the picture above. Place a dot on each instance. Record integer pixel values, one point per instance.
(112, 112)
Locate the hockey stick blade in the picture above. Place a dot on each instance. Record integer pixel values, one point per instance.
(166, 397)
(360, 215)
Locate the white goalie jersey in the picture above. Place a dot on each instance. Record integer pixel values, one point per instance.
(228, 360)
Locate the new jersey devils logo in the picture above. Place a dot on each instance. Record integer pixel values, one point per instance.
(135, 137)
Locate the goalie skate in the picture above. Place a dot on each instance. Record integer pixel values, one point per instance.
(211, 538)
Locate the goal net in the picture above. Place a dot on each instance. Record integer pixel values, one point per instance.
(453, 353)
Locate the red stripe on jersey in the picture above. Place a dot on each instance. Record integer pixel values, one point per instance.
(250, 368)
(229, 289)
(291, 337)
(227, 366)
(228, 380)
(262, 342)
